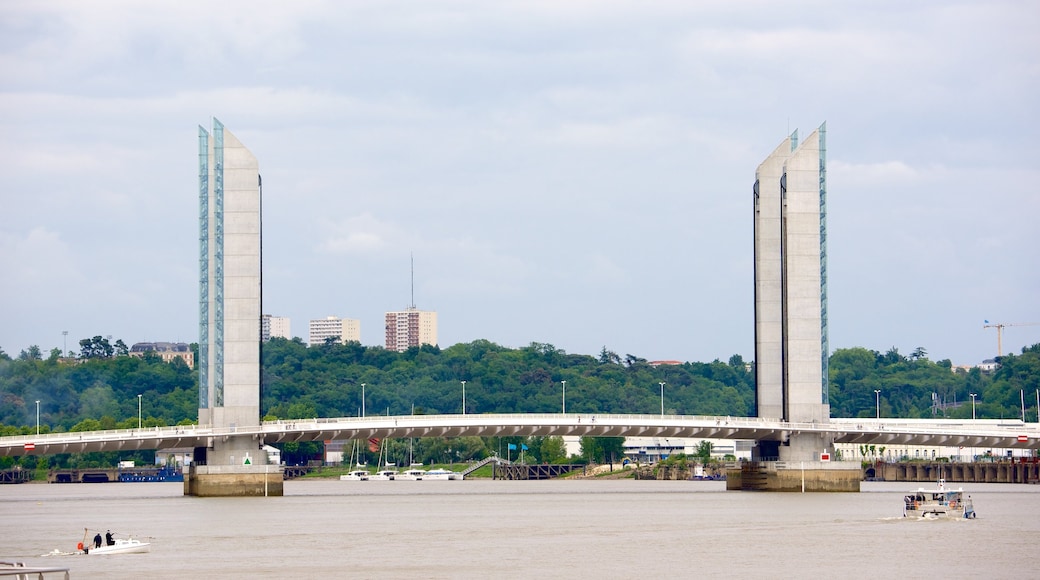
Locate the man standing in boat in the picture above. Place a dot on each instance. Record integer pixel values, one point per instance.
(97, 540)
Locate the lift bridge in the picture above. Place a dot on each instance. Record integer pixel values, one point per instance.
(1007, 434)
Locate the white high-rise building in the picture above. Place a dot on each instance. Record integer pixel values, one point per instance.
(344, 330)
(411, 327)
(274, 327)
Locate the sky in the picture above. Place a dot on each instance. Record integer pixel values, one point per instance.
(571, 173)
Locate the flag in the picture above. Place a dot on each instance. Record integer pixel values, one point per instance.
(523, 447)
(373, 445)
(986, 321)
(511, 447)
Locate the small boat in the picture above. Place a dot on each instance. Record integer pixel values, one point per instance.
(121, 546)
(938, 502)
(411, 474)
(356, 475)
(441, 475)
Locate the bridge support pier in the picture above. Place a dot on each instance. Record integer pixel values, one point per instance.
(236, 466)
(802, 463)
(807, 476)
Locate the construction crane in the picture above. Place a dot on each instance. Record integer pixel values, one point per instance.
(1000, 331)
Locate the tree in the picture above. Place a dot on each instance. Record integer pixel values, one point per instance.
(97, 347)
(704, 451)
(632, 360)
(32, 353)
(553, 450)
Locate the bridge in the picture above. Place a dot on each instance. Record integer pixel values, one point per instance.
(1010, 434)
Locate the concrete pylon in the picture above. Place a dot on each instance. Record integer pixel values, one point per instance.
(791, 350)
(229, 321)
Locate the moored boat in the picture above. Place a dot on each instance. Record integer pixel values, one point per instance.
(439, 474)
(356, 475)
(411, 474)
(383, 475)
(938, 502)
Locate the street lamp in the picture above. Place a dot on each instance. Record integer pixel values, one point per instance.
(662, 398)
(362, 399)
(973, 395)
(138, 411)
(37, 417)
(463, 397)
(564, 397)
(877, 403)
(64, 343)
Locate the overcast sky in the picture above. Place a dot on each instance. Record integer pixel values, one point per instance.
(575, 173)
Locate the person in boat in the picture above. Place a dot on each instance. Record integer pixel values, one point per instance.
(109, 540)
(97, 540)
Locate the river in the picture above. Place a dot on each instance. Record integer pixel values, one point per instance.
(521, 529)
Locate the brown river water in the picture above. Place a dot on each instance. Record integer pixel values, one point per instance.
(521, 529)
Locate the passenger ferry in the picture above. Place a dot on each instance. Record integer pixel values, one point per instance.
(938, 502)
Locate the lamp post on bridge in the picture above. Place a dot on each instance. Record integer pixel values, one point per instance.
(362, 399)
(138, 411)
(662, 398)
(973, 395)
(877, 403)
(564, 397)
(37, 417)
(463, 397)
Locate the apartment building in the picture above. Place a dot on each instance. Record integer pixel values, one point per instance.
(344, 330)
(410, 327)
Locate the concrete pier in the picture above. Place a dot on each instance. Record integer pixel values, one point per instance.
(234, 480)
(808, 476)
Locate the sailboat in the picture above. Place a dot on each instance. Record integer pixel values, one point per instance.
(385, 472)
(355, 460)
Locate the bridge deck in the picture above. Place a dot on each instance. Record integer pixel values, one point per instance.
(983, 433)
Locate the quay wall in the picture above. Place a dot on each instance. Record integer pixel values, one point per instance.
(979, 472)
(677, 473)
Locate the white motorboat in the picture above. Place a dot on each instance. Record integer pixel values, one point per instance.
(120, 546)
(411, 474)
(356, 475)
(441, 475)
(938, 502)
